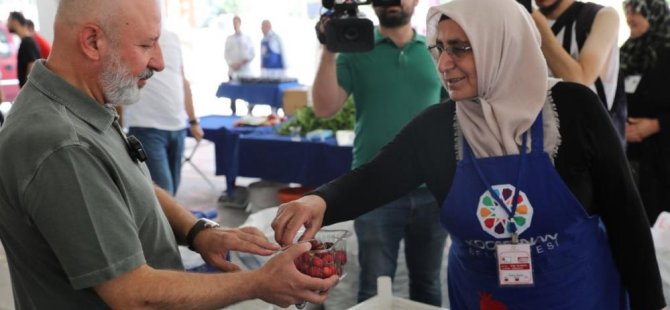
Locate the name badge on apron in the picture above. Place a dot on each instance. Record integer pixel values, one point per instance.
(514, 260)
(631, 82)
(515, 266)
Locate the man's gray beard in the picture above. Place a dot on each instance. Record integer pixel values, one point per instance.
(118, 85)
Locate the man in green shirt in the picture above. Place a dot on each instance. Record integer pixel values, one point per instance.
(82, 224)
(390, 85)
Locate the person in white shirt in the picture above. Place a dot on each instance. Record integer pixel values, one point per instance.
(159, 119)
(239, 53)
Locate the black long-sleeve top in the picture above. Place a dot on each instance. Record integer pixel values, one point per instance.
(590, 161)
(651, 98)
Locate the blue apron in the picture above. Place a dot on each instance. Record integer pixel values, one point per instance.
(573, 267)
(269, 58)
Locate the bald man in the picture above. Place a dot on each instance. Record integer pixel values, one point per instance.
(273, 64)
(82, 224)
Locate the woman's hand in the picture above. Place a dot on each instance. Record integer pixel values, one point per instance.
(307, 211)
(638, 129)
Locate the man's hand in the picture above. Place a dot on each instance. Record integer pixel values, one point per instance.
(638, 129)
(321, 28)
(307, 211)
(214, 244)
(280, 282)
(197, 132)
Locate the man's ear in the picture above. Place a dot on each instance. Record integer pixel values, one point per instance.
(92, 41)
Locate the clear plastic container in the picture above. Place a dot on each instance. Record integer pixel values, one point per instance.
(327, 256)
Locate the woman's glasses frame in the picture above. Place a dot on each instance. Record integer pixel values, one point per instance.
(455, 51)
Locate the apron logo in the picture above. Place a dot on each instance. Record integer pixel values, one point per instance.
(495, 220)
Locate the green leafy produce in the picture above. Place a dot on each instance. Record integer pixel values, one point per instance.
(305, 118)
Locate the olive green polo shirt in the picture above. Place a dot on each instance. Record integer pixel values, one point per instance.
(390, 85)
(75, 209)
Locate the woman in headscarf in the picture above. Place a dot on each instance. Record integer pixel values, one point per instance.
(645, 63)
(541, 216)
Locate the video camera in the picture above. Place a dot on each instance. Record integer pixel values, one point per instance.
(347, 30)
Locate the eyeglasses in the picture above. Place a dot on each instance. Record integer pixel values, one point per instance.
(454, 51)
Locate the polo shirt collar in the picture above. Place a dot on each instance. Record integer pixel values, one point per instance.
(379, 38)
(80, 104)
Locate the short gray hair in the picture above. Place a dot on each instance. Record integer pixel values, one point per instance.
(104, 13)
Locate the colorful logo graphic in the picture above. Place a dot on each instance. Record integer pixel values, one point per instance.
(493, 217)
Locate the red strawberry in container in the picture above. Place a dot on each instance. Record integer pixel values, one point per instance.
(341, 257)
(327, 255)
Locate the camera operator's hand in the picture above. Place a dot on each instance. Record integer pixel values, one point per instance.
(321, 27)
(526, 4)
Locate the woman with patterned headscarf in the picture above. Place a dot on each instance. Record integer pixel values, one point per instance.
(645, 63)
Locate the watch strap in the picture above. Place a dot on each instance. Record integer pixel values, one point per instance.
(199, 226)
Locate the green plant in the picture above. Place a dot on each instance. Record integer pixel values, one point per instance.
(307, 121)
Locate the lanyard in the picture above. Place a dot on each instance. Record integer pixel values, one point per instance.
(511, 225)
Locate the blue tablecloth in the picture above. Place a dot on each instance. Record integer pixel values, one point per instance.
(256, 93)
(261, 153)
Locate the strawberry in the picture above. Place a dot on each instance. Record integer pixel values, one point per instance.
(304, 268)
(316, 272)
(341, 257)
(317, 262)
(328, 271)
(328, 258)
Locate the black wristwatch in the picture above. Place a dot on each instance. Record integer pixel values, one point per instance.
(193, 122)
(199, 226)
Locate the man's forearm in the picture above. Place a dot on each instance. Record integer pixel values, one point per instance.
(592, 61)
(181, 220)
(327, 95)
(562, 65)
(188, 99)
(277, 282)
(148, 288)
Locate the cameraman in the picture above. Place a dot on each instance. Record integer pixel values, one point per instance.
(390, 84)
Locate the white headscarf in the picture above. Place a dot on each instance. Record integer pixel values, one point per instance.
(512, 77)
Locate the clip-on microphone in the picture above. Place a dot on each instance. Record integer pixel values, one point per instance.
(135, 149)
